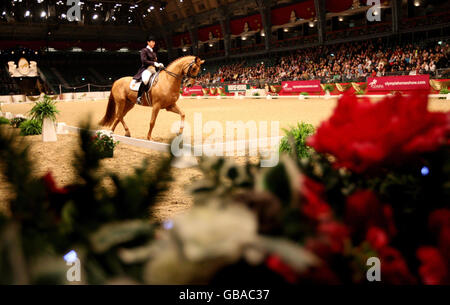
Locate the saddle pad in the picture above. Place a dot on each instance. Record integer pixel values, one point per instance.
(134, 85)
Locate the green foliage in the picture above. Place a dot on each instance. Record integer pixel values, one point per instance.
(30, 128)
(44, 109)
(328, 87)
(304, 93)
(360, 92)
(223, 94)
(297, 135)
(84, 216)
(194, 94)
(17, 121)
(4, 121)
(256, 94)
(444, 91)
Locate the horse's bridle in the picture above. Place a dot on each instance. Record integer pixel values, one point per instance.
(181, 76)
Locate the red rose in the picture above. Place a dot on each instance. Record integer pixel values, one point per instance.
(439, 219)
(444, 242)
(363, 210)
(50, 185)
(275, 263)
(433, 269)
(364, 136)
(394, 269)
(439, 224)
(313, 203)
(377, 238)
(335, 234)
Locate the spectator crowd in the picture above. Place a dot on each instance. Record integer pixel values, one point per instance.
(337, 63)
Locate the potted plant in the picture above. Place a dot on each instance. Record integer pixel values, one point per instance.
(104, 144)
(4, 121)
(30, 128)
(45, 112)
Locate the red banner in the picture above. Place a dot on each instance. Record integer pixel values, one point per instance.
(399, 83)
(301, 86)
(197, 90)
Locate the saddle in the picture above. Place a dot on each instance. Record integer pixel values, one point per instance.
(134, 86)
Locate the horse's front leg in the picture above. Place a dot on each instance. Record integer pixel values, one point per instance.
(177, 110)
(155, 111)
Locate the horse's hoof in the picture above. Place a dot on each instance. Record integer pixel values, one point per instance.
(128, 135)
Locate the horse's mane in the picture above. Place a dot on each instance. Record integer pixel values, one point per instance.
(178, 59)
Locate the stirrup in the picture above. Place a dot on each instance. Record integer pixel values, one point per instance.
(139, 100)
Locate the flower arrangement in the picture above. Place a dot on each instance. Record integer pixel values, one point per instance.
(104, 143)
(17, 121)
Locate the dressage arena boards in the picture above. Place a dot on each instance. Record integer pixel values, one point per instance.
(57, 156)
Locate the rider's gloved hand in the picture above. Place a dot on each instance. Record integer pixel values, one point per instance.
(159, 65)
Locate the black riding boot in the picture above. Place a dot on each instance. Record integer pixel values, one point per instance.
(142, 89)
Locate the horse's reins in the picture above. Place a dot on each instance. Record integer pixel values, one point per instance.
(181, 76)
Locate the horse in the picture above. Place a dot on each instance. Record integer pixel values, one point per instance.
(164, 94)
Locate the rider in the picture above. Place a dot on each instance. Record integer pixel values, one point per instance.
(149, 62)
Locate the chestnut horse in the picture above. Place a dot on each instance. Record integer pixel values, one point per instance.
(164, 94)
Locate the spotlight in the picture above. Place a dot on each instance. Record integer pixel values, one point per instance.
(263, 34)
(416, 3)
(210, 44)
(311, 24)
(341, 18)
(95, 17)
(27, 13)
(286, 29)
(43, 14)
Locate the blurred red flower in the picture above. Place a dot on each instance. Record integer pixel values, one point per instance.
(275, 263)
(51, 186)
(364, 136)
(394, 269)
(433, 269)
(335, 234)
(313, 204)
(377, 238)
(363, 210)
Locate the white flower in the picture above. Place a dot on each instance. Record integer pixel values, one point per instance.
(107, 133)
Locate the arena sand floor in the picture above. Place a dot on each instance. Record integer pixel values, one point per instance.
(57, 157)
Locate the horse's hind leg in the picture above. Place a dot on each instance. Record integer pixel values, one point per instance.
(127, 108)
(116, 121)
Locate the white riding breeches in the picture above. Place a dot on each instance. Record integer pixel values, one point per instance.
(146, 76)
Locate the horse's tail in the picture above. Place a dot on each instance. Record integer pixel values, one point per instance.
(110, 114)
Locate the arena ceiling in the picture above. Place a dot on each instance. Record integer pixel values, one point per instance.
(118, 19)
(132, 20)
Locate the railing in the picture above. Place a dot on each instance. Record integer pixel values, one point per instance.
(89, 87)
